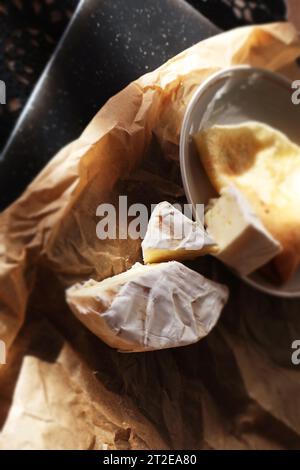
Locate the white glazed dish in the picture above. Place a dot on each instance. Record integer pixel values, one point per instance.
(235, 95)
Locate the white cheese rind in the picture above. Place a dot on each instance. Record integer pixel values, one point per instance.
(243, 242)
(149, 307)
(173, 236)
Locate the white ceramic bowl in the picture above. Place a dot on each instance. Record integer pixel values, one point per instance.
(232, 96)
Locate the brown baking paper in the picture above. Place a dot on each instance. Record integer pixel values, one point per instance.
(235, 389)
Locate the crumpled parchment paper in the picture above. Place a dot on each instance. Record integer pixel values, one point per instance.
(62, 387)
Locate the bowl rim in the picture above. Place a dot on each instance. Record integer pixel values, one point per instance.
(184, 136)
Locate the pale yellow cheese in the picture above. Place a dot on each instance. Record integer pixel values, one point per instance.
(243, 242)
(265, 166)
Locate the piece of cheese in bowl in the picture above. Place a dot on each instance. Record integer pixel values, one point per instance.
(264, 165)
(243, 242)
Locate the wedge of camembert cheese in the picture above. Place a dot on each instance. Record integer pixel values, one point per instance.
(149, 307)
(173, 236)
(243, 242)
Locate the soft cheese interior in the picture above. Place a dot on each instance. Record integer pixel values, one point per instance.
(243, 241)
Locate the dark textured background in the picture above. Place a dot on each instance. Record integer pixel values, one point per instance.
(30, 30)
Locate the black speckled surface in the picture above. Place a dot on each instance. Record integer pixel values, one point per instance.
(104, 48)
